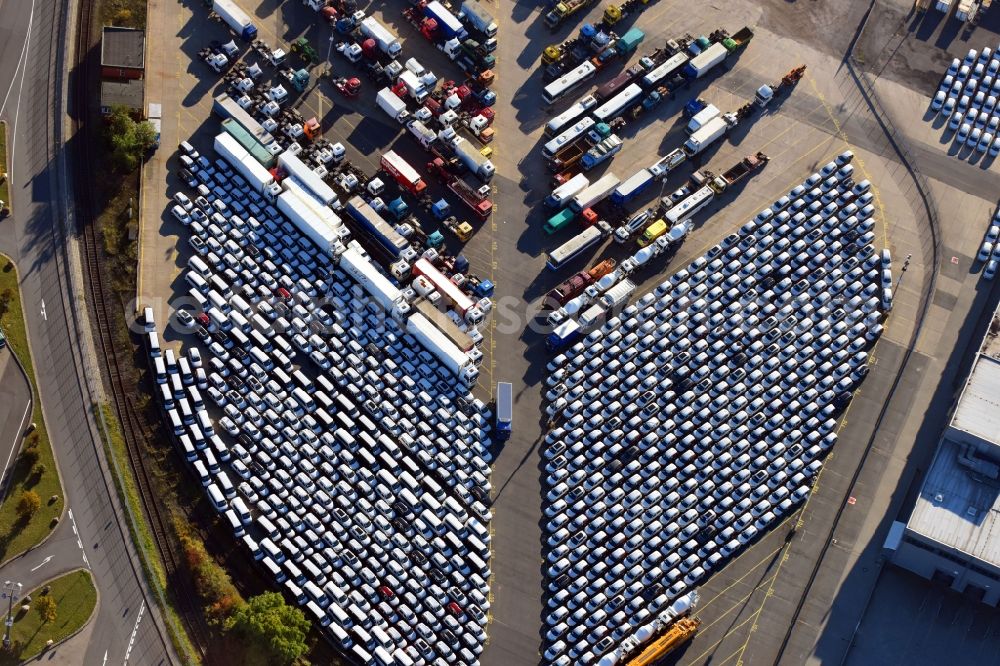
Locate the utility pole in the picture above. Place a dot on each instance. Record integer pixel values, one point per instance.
(329, 52)
(11, 591)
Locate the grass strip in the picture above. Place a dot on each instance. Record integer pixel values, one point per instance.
(40, 476)
(75, 597)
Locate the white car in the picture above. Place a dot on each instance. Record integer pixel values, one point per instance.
(181, 215)
(984, 251)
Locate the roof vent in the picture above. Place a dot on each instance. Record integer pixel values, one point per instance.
(939, 498)
(971, 512)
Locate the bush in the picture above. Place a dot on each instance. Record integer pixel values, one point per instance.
(28, 504)
(275, 633)
(46, 607)
(29, 456)
(211, 581)
(129, 140)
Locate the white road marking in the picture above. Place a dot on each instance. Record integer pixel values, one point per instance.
(41, 564)
(79, 541)
(45, 315)
(17, 110)
(131, 641)
(21, 59)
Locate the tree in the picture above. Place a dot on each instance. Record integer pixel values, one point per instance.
(29, 503)
(130, 140)
(5, 298)
(46, 607)
(275, 632)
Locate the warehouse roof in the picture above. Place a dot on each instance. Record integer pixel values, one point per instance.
(958, 508)
(978, 411)
(125, 93)
(122, 47)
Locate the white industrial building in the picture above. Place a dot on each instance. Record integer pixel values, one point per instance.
(953, 533)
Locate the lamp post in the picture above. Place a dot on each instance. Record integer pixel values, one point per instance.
(11, 591)
(329, 52)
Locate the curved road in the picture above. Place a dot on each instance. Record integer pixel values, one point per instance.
(33, 41)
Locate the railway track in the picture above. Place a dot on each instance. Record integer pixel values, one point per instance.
(133, 429)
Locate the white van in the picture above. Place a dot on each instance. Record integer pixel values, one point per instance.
(166, 395)
(234, 523)
(187, 449)
(335, 594)
(241, 305)
(241, 510)
(455, 526)
(198, 265)
(205, 423)
(154, 343)
(314, 593)
(317, 611)
(252, 546)
(241, 323)
(276, 572)
(197, 282)
(202, 471)
(262, 324)
(308, 404)
(198, 298)
(175, 422)
(216, 497)
(218, 301)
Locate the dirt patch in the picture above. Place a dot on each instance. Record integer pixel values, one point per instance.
(825, 25)
(914, 48)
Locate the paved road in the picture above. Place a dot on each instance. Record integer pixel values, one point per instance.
(35, 238)
(15, 401)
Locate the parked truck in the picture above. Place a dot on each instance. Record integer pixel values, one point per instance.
(476, 198)
(505, 410)
(566, 191)
(631, 187)
(474, 160)
(601, 152)
(447, 352)
(403, 173)
(384, 39)
(477, 18)
(376, 227)
(709, 133)
(235, 18)
(563, 10)
(615, 298)
(394, 107)
(594, 193)
(663, 166)
(707, 113)
(726, 46)
(731, 176)
(447, 23)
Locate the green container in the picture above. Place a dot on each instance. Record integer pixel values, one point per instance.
(558, 221)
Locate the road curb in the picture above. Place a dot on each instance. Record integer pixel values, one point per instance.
(93, 613)
(6, 169)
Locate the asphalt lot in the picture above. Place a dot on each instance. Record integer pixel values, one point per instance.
(747, 606)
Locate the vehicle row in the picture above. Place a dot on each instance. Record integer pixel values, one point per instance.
(345, 458)
(694, 421)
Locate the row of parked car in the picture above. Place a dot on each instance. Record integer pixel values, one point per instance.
(343, 456)
(968, 97)
(989, 251)
(695, 421)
